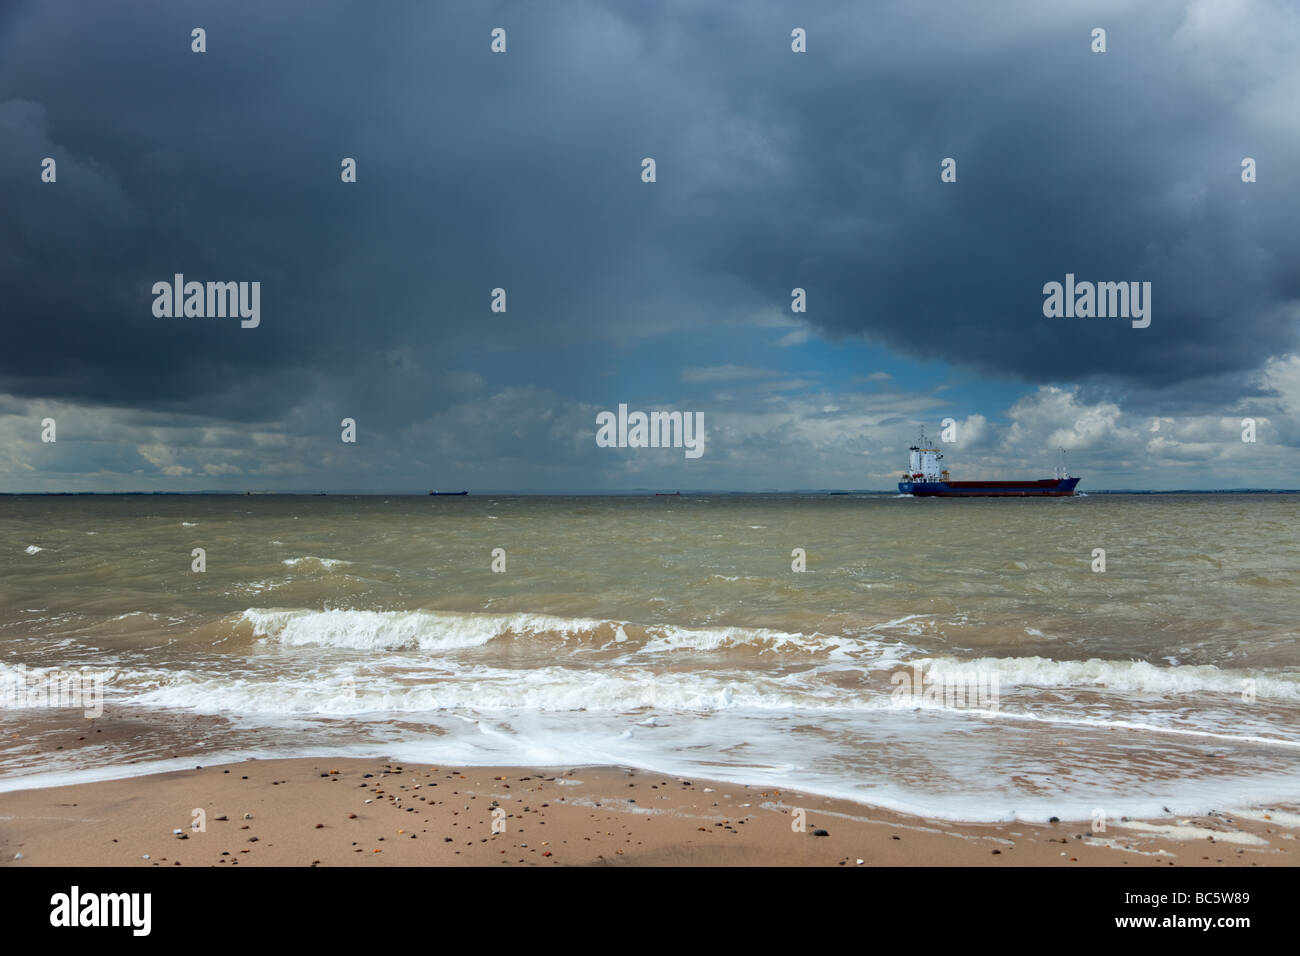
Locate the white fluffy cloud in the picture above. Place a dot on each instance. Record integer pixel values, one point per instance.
(528, 438)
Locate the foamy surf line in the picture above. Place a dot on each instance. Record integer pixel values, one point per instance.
(1248, 807)
(68, 778)
(353, 680)
(442, 687)
(427, 630)
(449, 630)
(967, 793)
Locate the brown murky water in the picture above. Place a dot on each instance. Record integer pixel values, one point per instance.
(673, 634)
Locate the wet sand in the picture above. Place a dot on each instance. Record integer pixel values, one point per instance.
(351, 812)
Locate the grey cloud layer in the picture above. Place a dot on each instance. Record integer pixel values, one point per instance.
(775, 170)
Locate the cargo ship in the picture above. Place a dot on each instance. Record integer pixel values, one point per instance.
(926, 479)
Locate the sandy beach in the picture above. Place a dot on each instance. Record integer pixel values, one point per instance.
(351, 812)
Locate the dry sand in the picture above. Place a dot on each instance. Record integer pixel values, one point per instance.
(343, 812)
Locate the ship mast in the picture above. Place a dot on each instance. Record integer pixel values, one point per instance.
(1061, 472)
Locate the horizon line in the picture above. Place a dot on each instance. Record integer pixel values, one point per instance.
(587, 492)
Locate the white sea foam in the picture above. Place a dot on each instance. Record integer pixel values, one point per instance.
(444, 630)
(329, 564)
(759, 749)
(447, 630)
(1279, 818)
(1138, 677)
(1184, 830)
(668, 638)
(376, 630)
(792, 730)
(912, 624)
(32, 549)
(258, 587)
(485, 689)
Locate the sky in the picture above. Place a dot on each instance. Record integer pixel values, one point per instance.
(523, 170)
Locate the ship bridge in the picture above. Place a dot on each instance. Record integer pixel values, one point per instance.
(925, 463)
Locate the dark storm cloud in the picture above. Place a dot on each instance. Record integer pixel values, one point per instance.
(1115, 166)
(522, 171)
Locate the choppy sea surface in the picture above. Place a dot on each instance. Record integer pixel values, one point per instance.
(671, 633)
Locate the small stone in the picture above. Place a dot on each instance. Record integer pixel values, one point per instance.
(1054, 820)
(820, 832)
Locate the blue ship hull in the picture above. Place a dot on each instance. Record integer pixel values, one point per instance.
(1043, 488)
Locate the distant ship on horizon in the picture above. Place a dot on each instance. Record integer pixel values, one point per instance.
(925, 479)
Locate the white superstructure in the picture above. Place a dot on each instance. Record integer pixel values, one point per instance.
(925, 463)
